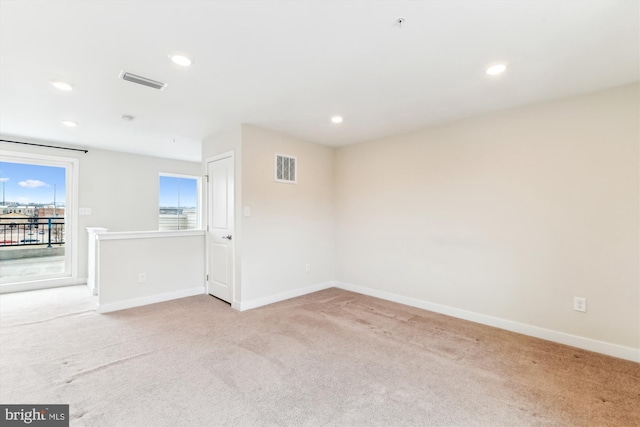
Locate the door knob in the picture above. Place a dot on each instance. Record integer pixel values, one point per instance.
(228, 237)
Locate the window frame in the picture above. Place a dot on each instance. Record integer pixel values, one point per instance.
(199, 211)
(71, 257)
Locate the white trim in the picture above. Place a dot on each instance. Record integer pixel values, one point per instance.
(152, 299)
(259, 302)
(41, 284)
(609, 349)
(233, 226)
(71, 166)
(219, 157)
(34, 158)
(92, 265)
(72, 204)
(198, 179)
(275, 169)
(155, 234)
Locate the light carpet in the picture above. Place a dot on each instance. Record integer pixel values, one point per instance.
(331, 358)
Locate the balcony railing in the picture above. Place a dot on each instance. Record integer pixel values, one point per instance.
(187, 220)
(35, 231)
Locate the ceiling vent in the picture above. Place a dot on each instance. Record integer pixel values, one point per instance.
(133, 78)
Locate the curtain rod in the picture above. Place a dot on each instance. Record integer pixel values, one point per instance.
(42, 145)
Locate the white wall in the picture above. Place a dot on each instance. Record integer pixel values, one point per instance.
(291, 225)
(173, 263)
(222, 142)
(121, 189)
(509, 215)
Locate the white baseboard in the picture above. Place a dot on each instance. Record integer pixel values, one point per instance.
(609, 349)
(151, 299)
(41, 284)
(259, 302)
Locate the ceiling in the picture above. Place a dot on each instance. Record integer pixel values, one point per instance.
(291, 65)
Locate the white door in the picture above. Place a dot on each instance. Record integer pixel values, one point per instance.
(220, 229)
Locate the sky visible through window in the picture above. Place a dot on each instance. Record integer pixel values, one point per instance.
(27, 184)
(178, 192)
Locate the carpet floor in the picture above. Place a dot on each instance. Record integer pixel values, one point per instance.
(331, 358)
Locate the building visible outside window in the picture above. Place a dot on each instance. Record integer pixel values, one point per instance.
(36, 230)
(178, 199)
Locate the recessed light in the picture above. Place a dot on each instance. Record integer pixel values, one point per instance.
(181, 60)
(61, 85)
(496, 69)
(336, 119)
(69, 123)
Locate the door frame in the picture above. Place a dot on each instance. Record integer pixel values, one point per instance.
(232, 220)
(70, 277)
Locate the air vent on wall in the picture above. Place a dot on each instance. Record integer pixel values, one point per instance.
(285, 169)
(133, 78)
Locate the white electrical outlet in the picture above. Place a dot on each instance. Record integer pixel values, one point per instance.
(142, 277)
(307, 268)
(580, 304)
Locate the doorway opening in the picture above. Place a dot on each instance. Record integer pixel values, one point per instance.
(220, 227)
(37, 221)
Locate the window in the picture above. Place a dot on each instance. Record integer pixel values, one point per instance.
(179, 202)
(38, 228)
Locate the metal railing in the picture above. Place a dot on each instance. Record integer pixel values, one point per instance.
(186, 220)
(34, 231)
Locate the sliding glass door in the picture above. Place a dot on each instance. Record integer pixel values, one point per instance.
(37, 220)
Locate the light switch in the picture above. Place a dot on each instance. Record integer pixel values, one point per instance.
(247, 211)
(84, 211)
